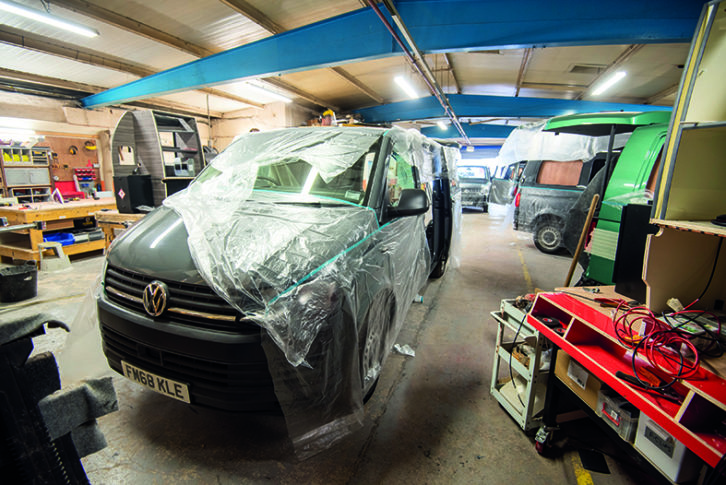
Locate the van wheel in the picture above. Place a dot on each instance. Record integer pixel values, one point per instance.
(372, 339)
(439, 270)
(548, 237)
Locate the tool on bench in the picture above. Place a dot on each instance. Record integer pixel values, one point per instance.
(665, 392)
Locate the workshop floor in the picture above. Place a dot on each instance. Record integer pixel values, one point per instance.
(432, 419)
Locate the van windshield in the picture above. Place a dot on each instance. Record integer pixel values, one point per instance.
(305, 164)
(473, 174)
(299, 177)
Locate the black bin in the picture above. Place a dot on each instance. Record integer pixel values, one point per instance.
(133, 191)
(18, 283)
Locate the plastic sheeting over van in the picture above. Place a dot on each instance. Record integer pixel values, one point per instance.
(529, 142)
(312, 266)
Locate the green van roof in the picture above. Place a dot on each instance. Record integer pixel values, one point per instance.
(599, 124)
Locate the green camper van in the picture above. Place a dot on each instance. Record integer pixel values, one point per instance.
(629, 175)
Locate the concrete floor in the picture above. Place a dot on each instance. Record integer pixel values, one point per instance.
(431, 420)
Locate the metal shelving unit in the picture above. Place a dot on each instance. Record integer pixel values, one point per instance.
(523, 396)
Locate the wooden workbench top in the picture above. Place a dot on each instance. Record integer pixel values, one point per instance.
(49, 211)
(114, 217)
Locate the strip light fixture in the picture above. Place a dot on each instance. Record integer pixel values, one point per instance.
(17, 134)
(46, 18)
(262, 91)
(609, 82)
(407, 88)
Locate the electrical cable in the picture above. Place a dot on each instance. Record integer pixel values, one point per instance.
(661, 344)
(511, 352)
(713, 270)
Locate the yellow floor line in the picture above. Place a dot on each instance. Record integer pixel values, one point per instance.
(582, 476)
(527, 277)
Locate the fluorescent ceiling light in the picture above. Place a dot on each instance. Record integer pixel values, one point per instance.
(18, 134)
(261, 91)
(46, 18)
(609, 82)
(406, 87)
(15, 131)
(441, 124)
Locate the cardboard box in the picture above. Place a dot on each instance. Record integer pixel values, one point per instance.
(585, 385)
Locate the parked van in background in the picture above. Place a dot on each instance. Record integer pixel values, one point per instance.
(505, 186)
(549, 189)
(475, 182)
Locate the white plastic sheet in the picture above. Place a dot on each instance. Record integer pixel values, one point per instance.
(316, 272)
(529, 142)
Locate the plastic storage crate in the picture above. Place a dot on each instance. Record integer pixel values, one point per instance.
(668, 454)
(618, 413)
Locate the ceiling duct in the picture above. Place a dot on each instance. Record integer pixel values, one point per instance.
(594, 69)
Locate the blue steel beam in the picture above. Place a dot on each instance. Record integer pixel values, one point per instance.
(437, 26)
(472, 131)
(476, 106)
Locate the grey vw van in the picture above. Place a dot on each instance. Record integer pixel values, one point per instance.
(281, 276)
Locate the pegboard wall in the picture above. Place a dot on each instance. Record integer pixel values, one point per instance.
(72, 153)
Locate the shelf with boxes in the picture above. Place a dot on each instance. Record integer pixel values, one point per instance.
(25, 173)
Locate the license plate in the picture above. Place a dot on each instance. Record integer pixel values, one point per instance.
(167, 387)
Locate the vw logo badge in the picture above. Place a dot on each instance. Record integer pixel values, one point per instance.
(155, 295)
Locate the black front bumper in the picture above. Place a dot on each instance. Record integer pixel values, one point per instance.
(224, 370)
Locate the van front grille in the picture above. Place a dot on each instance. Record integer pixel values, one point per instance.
(194, 305)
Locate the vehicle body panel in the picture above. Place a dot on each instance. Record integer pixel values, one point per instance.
(538, 202)
(629, 180)
(599, 124)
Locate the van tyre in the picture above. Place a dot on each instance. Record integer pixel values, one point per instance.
(439, 270)
(548, 237)
(372, 339)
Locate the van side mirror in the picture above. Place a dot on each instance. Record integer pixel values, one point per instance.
(412, 202)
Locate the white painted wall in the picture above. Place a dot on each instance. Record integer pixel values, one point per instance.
(273, 116)
(51, 116)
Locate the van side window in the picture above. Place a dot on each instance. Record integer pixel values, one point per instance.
(559, 173)
(400, 176)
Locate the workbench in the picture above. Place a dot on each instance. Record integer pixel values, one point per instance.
(111, 220)
(587, 336)
(23, 244)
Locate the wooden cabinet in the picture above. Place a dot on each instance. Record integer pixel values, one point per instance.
(25, 173)
(165, 146)
(685, 258)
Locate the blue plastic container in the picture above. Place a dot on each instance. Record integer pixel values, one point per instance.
(65, 238)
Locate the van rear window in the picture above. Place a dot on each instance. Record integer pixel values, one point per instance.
(472, 173)
(559, 173)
